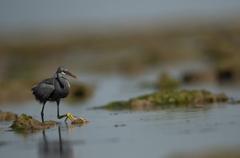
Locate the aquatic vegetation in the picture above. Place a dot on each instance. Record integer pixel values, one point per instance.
(26, 123)
(80, 92)
(169, 98)
(79, 121)
(76, 120)
(199, 77)
(228, 70)
(128, 53)
(7, 116)
(117, 105)
(167, 82)
(231, 152)
(223, 72)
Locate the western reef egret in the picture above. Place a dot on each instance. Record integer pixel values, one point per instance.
(53, 90)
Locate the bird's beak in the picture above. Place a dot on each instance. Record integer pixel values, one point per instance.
(70, 74)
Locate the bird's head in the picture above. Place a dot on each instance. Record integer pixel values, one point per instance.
(63, 71)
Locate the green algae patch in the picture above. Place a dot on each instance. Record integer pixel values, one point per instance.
(25, 123)
(168, 98)
(117, 105)
(7, 116)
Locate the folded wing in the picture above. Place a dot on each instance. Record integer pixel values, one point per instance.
(43, 90)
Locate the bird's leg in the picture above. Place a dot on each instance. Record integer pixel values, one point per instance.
(58, 115)
(68, 115)
(42, 112)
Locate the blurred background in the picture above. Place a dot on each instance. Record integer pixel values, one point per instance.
(195, 41)
(125, 36)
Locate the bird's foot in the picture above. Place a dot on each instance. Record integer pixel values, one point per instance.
(70, 116)
(74, 119)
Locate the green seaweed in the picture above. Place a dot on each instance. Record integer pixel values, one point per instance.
(117, 105)
(25, 123)
(169, 98)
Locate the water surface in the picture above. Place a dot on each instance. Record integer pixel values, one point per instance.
(123, 134)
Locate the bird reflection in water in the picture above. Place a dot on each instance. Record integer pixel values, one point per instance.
(55, 148)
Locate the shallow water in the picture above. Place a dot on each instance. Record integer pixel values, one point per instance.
(123, 134)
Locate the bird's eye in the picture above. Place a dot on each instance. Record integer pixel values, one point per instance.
(63, 73)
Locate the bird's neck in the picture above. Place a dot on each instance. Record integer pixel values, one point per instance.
(62, 81)
(59, 80)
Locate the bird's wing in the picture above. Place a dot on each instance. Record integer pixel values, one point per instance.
(48, 81)
(43, 90)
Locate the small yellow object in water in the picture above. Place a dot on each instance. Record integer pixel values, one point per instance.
(70, 116)
(76, 120)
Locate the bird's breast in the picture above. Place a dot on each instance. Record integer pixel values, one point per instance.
(62, 87)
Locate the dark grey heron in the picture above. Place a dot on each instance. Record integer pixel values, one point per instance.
(53, 89)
